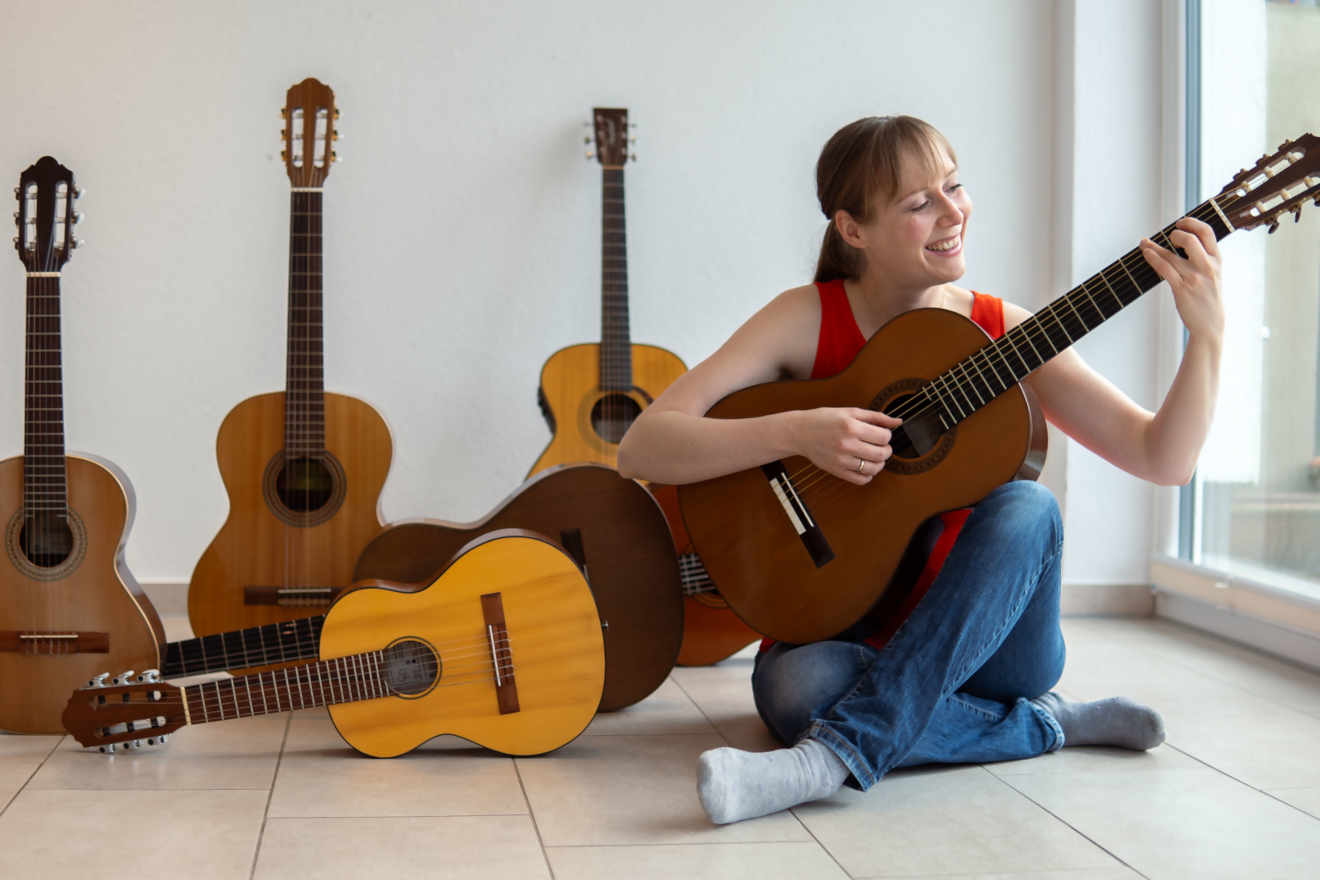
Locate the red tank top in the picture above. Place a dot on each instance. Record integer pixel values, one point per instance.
(839, 343)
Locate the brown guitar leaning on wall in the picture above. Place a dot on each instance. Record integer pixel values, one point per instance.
(69, 607)
(503, 649)
(303, 468)
(591, 393)
(801, 555)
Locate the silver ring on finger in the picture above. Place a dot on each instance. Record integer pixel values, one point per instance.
(861, 463)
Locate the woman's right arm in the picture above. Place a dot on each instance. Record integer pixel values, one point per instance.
(672, 441)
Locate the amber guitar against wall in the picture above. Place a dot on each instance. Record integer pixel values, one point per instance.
(503, 649)
(591, 393)
(303, 468)
(69, 607)
(801, 555)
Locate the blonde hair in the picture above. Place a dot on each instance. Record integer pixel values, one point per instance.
(860, 164)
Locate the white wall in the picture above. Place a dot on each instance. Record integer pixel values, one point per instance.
(462, 227)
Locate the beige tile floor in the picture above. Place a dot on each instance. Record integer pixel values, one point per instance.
(1235, 793)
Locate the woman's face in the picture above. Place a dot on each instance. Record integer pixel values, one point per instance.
(915, 239)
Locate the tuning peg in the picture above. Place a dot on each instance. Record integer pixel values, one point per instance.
(1297, 212)
(15, 241)
(590, 154)
(16, 216)
(334, 135)
(633, 157)
(79, 192)
(108, 749)
(77, 217)
(149, 675)
(1317, 201)
(125, 677)
(156, 740)
(336, 113)
(18, 192)
(284, 154)
(334, 156)
(74, 244)
(585, 140)
(1274, 226)
(99, 681)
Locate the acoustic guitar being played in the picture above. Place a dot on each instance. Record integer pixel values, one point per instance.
(801, 555)
(68, 604)
(304, 467)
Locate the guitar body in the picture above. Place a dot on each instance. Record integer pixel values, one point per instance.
(627, 550)
(553, 637)
(92, 591)
(588, 421)
(299, 536)
(750, 545)
(711, 631)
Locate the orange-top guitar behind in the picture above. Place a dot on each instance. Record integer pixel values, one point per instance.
(303, 468)
(591, 393)
(69, 607)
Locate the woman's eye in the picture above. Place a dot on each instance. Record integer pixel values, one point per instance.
(921, 207)
(955, 187)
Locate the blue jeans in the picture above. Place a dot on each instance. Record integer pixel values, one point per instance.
(954, 682)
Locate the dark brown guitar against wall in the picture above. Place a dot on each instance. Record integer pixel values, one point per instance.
(616, 532)
(68, 605)
(801, 555)
(304, 467)
(591, 393)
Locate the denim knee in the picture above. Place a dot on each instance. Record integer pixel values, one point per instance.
(792, 686)
(1024, 505)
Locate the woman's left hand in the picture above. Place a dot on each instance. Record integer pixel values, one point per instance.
(1194, 279)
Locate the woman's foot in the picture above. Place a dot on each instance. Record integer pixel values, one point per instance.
(736, 785)
(1116, 721)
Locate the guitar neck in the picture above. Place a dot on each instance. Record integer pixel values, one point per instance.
(307, 686)
(257, 646)
(45, 482)
(304, 399)
(616, 343)
(980, 378)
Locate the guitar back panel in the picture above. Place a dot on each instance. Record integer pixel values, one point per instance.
(554, 636)
(628, 553)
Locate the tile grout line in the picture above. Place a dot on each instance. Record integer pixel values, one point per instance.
(1004, 781)
(32, 775)
(531, 814)
(790, 811)
(265, 815)
(1242, 782)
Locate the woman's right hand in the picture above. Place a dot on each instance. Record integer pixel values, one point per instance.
(850, 443)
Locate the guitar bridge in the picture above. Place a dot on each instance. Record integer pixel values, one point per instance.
(813, 539)
(291, 597)
(501, 652)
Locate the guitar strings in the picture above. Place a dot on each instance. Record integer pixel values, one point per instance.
(259, 657)
(993, 353)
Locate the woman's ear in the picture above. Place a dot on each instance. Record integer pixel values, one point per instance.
(848, 228)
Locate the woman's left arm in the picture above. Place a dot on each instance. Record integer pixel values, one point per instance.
(1162, 446)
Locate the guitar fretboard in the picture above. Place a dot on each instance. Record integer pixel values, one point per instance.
(340, 680)
(45, 485)
(615, 340)
(273, 643)
(304, 398)
(980, 378)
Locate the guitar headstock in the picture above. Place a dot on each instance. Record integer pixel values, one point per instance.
(309, 133)
(611, 126)
(1279, 183)
(45, 216)
(133, 711)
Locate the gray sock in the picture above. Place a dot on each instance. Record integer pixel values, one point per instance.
(1116, 721)
(736, 785)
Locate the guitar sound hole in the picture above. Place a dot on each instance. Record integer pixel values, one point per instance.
(46, 539)
(902, 448)
(411, 667)
(304, 484)
(613, 414)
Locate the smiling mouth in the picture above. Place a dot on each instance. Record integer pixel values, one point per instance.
(942, 247)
